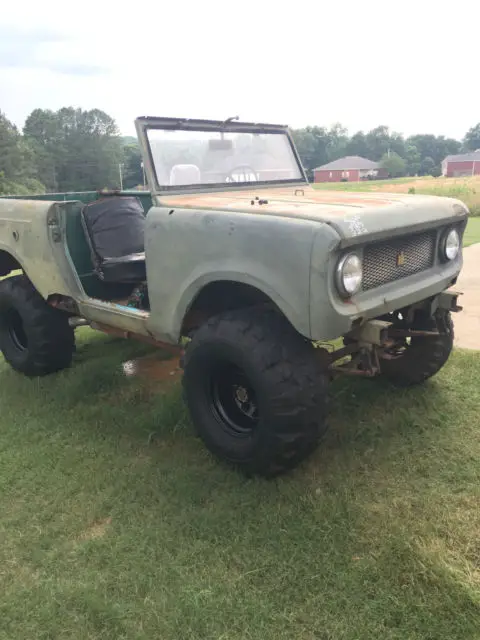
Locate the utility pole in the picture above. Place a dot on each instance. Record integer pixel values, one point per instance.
(120, 166)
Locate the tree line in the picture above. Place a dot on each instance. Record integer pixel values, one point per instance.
(82, 150)
(420, 154)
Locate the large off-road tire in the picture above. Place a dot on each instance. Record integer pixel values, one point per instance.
(421, 358)
(35, 339)
(256, 391)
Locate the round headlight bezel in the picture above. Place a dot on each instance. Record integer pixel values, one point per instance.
(445, 245)
(344, 291)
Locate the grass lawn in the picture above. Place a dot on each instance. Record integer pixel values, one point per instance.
(472, 232)
(116, 522)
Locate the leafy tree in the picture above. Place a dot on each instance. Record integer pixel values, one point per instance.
(472, 138)
(337, 137)
(435, 148)
(427, 166)
(17, 160)
(132, 166)
(10, 155)
(358, 145)
(75, 149)
(394, 164)
(126, 140)
(312, 144)
(452, 146)
(378, 142)
(413, 160)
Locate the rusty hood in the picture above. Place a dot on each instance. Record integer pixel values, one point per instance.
(352, 214)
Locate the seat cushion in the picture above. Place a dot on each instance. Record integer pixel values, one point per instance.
(129, 268)
(114, 228)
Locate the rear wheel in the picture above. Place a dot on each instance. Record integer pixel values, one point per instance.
(414, 360)
(255, 390)
(35, 339)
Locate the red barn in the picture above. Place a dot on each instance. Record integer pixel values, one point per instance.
(351, 169)
(463, 164)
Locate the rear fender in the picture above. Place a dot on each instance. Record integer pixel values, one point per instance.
(32, 235)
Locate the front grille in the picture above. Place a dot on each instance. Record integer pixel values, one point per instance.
(385, 262)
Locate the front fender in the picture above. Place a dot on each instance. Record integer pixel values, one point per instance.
(188, 249)
(297, 316)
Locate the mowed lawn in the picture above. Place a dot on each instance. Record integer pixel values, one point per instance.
(116, 522)
(472, 232)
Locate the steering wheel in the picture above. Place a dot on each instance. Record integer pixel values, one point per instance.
(242, 173)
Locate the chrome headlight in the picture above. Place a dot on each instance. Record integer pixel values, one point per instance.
(348, 275)
(450, 246)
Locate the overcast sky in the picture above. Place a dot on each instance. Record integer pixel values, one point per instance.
(410, 65)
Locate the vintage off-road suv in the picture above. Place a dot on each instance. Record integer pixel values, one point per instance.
(234, 255)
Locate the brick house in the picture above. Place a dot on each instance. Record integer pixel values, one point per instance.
(351, 169)
(462, 164)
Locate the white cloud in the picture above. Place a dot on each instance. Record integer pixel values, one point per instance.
(410, 65)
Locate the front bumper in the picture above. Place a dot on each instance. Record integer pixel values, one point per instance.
(375, 332)
(335, 317)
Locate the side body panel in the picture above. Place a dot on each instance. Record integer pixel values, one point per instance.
(32, 231)
(187, 249)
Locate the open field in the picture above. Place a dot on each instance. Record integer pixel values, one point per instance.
(465, 189)
(116, 523)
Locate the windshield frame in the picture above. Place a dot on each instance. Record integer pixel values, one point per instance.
(145, 124)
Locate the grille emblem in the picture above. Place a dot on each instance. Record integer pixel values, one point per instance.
(400, 259)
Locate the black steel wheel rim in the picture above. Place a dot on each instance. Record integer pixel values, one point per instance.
(233, 400)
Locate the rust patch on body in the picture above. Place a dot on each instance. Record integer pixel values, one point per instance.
(288, 200)
(127, 335)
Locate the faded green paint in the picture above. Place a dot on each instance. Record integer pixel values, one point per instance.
(287, 248)
(87, 196)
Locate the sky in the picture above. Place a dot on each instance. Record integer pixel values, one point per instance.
(413, 66)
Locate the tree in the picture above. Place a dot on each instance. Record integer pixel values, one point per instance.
(412, 159)
(472, 138)
(317, 145)
(435, 148)
(337, 138)
(75, 149)
(428, 166)
(378, 142)
(12, 162)
(394, 164)
(132, 166)
(312, 144)
(17, 161)
(358, 145)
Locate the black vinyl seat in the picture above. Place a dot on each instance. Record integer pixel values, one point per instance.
(115, 231)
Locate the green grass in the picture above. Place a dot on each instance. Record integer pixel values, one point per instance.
(472, 232)
(110, 532)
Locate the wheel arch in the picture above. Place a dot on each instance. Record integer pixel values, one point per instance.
(222, 295)
(8, 263)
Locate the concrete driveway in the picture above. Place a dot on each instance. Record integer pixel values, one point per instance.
(467, 322)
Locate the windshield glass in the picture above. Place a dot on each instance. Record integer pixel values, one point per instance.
(183, 158)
